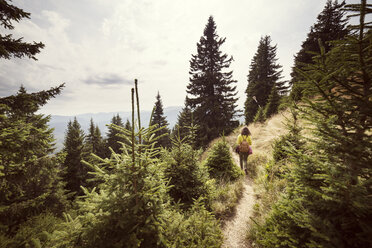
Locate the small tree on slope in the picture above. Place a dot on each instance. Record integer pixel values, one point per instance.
(221, 164)
(189, 180)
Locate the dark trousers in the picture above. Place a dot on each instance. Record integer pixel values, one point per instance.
(243, 157)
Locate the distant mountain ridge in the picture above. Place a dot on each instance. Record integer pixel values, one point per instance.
(59, 122)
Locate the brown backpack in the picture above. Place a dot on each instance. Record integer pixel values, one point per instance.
(244, 146)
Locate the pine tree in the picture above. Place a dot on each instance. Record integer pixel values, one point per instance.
(328, 201)
(221, 164)
(10, 47)
(273, 102)
(211, 91)
(264, 73)
(159, 119)
(128, 126)
(189, 180)
(94, 141)
(112, 136)
(29, 173)
(184, 122)
(330, 26)
(76, 172)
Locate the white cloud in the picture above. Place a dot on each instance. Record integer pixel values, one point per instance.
(109, 41)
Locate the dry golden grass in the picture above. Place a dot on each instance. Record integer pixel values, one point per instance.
(264, 134)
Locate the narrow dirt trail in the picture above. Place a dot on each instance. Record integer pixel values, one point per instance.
(263, 135)
(235, 230)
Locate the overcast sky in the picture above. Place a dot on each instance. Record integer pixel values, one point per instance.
(99, 47)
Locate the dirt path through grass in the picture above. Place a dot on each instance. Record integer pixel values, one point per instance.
(263, 136)
(235, 229)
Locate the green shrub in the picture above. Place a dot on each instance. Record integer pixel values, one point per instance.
(221, 164)
(189, 180)
(260, 116)
(276, 170)
(127, 209)
(194, 228)
(280, 146)
(285, 102)
(33, 233)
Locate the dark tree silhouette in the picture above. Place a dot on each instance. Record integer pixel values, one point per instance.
(211, 91)
(9, 46)
(264, 74)
(330, 26)
(159, 119)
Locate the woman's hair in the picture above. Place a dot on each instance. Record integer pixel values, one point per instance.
(245, 131)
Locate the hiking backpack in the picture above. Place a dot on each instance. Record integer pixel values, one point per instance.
(244, 146)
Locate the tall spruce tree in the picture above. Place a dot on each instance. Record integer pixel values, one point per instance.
(328, 201)
(159, 119)
(112, 135)
(95, 141)
(10, 47)
(331, 25)
(211, 91)
(29, 173)
(264, 74)
(76, 173)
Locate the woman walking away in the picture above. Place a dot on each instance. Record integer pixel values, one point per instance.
(243, 143)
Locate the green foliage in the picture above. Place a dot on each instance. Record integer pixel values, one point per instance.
(184, 121)
(272, 105)
(35, 232)
(292, 139)
(328, 200)
(10, 47)
(330, 26)
(211, 91)
(221, 164)
(196, 228)
(260, 116)
(94, 141)
(131, 207)
(185, 131)
(159, 119)
(127, 209)
(284, 103)
(264, 74)
(113, 138)
(29, 174)
(76, 173)
(189, 180)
